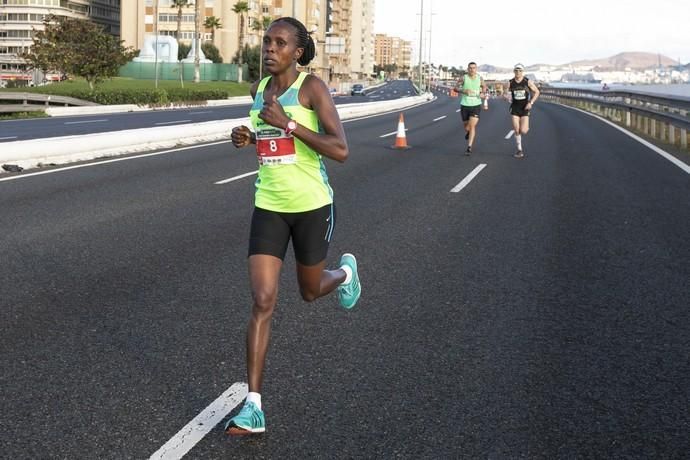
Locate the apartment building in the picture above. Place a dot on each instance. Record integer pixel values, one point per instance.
(19, 18)
(362, 39)
(342, 29)
(139, 20)
(390, 51)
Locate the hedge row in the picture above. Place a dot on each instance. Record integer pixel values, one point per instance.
(147, 97)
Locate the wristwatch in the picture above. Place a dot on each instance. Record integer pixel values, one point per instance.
(291, 126)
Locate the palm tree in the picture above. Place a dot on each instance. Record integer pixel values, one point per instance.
(262, 24)
(179, 4)
(241, 8)
(212, 23)
(197, 44)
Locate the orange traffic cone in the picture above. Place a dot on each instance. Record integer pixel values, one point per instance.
(400, 138)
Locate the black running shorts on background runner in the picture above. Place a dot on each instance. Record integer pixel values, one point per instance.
(310, 231)
(467, 111)
(519, 110)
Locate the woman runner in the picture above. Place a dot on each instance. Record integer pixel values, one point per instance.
(295, 123)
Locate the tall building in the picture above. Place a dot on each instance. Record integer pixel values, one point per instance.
(393, 51)
(19, 18)
(139, 20)
(362, 39)
(338, 39)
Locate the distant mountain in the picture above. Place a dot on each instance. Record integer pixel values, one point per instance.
(621, 61)
(492, 68)
(631, 60)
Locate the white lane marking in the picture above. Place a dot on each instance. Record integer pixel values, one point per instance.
(393, 133)
(653, 147)
(8, 137)
(172, 122)
(440, 118)
(199, 427)
(241, 176)
(468, 179)
(510, 134)
(85, 121)
(457, 111)
(66, 168)
(199, 113)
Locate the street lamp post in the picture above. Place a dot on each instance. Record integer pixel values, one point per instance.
(421, 31)
(431, 17)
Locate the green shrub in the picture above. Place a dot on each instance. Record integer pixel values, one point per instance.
(191, 94)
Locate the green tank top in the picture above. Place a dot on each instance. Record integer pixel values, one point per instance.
(292, 176)
(475, 86)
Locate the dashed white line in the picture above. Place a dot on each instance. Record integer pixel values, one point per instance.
(510, 134)
(232, 179)
(440, 118)
(199, 113)
(468, 179)
(457, 111)
(172, 122)
(8, 137)
(194, 431)
(391, 134)
(82, 122)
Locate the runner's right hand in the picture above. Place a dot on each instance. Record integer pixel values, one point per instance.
(241, 136)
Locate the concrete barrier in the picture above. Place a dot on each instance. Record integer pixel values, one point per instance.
(67, 149)
(123, 108)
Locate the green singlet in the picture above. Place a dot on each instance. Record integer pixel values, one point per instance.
(475, 86)
(292, 176)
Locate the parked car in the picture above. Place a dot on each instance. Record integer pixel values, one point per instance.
(357, 89)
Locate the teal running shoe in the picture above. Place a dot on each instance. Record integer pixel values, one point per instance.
(348, 294)
(250, 420)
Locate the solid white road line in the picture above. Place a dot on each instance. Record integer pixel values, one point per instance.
(241, 176)
(656, 149)
(114, 160)
(510, 134)
(440, 118)
(468, 179)
(173, 122)
(199, 427)
(8, 137)
(82, 122)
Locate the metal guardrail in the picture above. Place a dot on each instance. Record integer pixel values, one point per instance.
(29, 102)
(661, 117)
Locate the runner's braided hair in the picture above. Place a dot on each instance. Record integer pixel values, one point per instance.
(304, 39)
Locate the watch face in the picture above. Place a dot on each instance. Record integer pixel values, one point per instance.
(292, 125)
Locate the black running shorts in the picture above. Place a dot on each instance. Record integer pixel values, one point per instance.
(519, 110)
(467, 111)
(310, 231)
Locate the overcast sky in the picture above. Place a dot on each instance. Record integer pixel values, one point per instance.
(503, 32)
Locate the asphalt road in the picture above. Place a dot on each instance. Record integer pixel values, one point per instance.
(540, 312)
(17, 130)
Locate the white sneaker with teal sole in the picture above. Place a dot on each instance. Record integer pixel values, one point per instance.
(250, 420)
(348, 293)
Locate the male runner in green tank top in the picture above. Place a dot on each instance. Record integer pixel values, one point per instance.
(473, 89)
